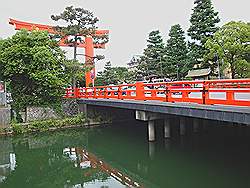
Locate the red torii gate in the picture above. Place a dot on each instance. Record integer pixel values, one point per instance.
(88, 44)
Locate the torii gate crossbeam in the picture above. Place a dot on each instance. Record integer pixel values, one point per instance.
(88, 45)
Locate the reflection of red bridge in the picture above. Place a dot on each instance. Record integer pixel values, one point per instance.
(95, 162)
(225, 92)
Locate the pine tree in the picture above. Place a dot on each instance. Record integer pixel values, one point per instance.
(203, 25)
(113, 75)
(79, 22)
(152, 59)
(108, 74)
(176, 65)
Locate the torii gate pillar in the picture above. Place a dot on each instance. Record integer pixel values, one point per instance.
(89, 61)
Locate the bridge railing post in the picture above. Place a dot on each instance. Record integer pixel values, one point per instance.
(76, 92)
(230, 97)
(140, 91)
(205, 94)
(86, 92)
(167, 92)
(94, 93)
(119, 92)
(105, 93)
(184, 95)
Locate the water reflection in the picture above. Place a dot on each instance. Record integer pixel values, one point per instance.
(38, 161)
(86, 160)
(116, 157)
(7, 159)
(151, 149)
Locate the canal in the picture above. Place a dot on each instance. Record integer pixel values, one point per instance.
(119, 156)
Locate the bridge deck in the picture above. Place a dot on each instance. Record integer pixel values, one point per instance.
(228, 113)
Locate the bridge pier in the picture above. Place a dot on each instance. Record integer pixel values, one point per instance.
(151, 130)
(150, 118)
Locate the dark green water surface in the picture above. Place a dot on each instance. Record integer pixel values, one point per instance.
(114, 155)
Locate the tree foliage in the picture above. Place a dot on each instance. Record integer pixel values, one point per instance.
(232, 44)
(203, 25)
(113, 75)
(176, 50)
(79, 23)
(133, 68)
(151, 63)
(33, 65)
(79, 20)
(75, 72)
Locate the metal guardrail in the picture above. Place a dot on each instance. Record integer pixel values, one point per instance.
(226, 92)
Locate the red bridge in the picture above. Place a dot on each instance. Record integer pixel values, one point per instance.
(224, 92)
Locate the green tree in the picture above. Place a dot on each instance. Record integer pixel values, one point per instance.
(78, 22)
(121, 75)
(203, 25)
(151, 63)
(133, 69)
(75, 71)
(33, 65)
(176, 65)
(105, 77)
(232, 45)
(113, 75)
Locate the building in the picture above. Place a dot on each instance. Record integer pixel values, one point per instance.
(199, 74)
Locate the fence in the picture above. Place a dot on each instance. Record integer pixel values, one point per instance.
(225, 92)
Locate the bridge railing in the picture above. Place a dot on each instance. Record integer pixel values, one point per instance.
(225, 92)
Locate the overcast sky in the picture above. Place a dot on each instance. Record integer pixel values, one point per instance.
(129, 21)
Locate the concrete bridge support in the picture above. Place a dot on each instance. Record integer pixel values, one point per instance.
(150, 118)
(151, 130)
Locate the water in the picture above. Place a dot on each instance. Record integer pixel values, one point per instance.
(119, 154)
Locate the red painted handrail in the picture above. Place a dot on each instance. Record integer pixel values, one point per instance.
(225, 92)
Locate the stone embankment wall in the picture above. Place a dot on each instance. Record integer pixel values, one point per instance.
(69, 108)
(4, 117)
(40, 113)
(2, 99)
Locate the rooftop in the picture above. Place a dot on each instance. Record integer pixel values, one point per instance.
(198, 72)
